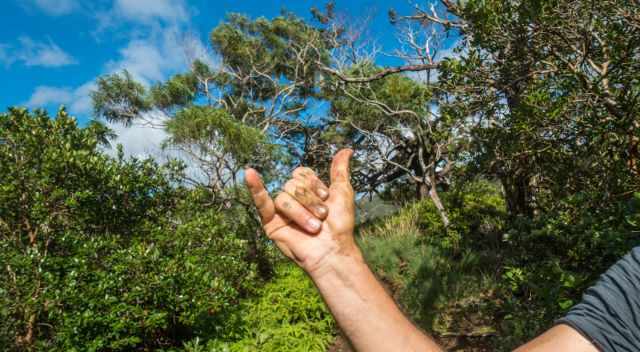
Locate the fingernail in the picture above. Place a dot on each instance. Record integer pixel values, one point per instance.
(322, 210)
(323, 193)
(314, 224)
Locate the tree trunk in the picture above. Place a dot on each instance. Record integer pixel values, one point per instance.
(634, 150)
(517, 193)
(424, 190)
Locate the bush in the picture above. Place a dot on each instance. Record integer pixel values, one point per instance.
(551, 259)
(445, 292)
(106, 254)
(477, 212)
(496, 280)
(287, 315)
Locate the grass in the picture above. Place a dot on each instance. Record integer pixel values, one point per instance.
(450, 295)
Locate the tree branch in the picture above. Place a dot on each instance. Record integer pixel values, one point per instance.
(380, 75)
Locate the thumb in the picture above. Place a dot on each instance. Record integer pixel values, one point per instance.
(340, 167)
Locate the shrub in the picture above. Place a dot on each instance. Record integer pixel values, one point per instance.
(550, 260)
(286, 315)
(443, 291)
(101, 253)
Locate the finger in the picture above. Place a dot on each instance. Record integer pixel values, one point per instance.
(340, 167)
(261, 198)
(301, 192)
(312, 181)
(288, 207)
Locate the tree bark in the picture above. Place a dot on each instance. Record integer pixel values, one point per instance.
(424, 190)
(517, 193)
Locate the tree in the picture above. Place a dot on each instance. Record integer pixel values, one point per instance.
(392, 120)
(548, 90)
(54, 181)
(552, 89)
(238, 113)
(108, 253)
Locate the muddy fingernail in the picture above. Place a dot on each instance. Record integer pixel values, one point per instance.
(322, 210)
(323, 193)
(314, 224)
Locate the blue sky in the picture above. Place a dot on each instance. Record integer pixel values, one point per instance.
(51, 51)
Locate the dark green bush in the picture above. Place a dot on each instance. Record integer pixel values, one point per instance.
(444, 291)
(107, 254)
(550, 260)
(286, 315)
(507, 278)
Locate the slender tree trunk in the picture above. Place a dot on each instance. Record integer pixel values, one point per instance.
(424, 190)
(634, 150)
(517, 193)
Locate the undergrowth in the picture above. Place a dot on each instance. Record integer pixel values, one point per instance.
(287, 314)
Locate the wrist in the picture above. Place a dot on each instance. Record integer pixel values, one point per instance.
(338, 263)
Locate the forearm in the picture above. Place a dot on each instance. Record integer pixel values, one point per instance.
(363, 309)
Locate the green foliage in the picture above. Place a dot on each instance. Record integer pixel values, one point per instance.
(552, 259)
(537, 115)
(500, 281)
(119, 98)
(245, 44)
(211, 128)
(107, 254)
(178, 91)
(155, 291)
(552, 125)
(477, 212)
(287, 315)
(443, 291)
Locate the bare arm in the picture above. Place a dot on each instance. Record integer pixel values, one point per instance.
(366, 313)
(313, 225)
(559, 338)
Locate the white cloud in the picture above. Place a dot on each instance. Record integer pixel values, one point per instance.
(142, 13)
(55, 7)
(81, 103)
(44, 95)
(142, 139)
(34, 53)
(159, 55)
(149, 10)
(78, 99)
(145, 140)
(143, 60)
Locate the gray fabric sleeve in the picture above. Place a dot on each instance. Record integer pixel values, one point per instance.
(609, 314)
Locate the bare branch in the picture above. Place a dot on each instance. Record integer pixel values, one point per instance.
(380, 75)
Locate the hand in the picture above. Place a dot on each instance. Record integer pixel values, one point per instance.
(292, 221)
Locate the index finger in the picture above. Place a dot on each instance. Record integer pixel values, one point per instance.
(261, 198)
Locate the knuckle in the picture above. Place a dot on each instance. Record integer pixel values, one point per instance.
(296, 188)
(300, 192)
(261, 199)
(289, 185)
(303, 171)
(318, 184)
(280, 199)
(285, 203)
